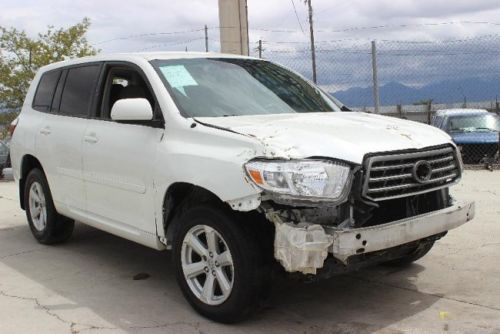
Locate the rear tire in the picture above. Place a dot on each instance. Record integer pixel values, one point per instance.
(237, 278)
(420, 251)
(48, 227)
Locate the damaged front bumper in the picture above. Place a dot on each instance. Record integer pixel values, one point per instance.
(304, 247)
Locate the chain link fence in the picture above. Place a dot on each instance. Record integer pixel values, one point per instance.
(417, 80)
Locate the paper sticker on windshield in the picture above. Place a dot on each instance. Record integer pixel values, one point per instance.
(178, 77)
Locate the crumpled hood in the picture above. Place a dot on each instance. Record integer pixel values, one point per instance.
(461, 138)
(342, 135)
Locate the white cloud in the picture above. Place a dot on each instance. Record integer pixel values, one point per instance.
(112, 19)
(115, 22)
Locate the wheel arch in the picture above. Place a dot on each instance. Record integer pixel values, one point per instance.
(28, 163)
(180, 196)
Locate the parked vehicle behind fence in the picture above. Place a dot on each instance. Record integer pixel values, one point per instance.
(237, 165)
(475, 131)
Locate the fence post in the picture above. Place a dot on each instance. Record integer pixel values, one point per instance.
(429, 112)
(376, 96)
(399, 109)
(206, 38)
(311, 35)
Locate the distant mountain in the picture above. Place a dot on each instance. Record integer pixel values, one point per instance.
(450, 91)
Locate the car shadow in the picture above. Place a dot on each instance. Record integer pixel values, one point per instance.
(132, 288)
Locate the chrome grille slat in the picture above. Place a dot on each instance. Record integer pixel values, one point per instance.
(391, 175)
(391, 178)
(403, 186)
(392, 167)
(444, 169)
(446, 159)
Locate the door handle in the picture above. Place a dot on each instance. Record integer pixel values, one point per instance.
(45, 131)
(91, 138)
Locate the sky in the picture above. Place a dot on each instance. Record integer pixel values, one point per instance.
(344, 29)
(115, 19)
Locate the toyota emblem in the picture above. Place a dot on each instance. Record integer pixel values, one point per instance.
(422, 171)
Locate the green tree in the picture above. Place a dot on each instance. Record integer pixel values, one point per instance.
(21, 56)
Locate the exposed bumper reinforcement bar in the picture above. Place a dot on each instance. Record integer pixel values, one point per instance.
(304, 247)
(351, 242)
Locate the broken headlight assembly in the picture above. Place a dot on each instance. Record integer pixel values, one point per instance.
(303, 180)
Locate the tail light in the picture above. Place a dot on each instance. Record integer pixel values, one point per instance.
(12, 126)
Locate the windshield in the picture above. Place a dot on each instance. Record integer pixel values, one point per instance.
(215, 87)
(469, 123)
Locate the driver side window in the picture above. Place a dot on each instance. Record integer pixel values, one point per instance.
(124, 82)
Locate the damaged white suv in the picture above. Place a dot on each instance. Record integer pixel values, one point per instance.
(235, 164)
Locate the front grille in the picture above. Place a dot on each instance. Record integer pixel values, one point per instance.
(394, 175)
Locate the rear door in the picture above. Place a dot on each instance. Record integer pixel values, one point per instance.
(119, 157)
(59, 141)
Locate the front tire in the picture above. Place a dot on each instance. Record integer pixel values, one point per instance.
(219, 265)
(420, 251)
(48, 227)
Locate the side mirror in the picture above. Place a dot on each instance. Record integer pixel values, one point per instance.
(132, 110)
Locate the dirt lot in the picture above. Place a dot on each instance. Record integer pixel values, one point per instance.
(87, 284)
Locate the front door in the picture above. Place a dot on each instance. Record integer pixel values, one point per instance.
(119, 158)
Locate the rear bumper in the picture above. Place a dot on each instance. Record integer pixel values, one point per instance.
(350, 242)
(304, 247)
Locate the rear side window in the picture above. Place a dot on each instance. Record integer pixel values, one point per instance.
(78, 90)
(45, 90)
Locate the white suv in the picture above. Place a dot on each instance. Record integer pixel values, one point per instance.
(237, 165)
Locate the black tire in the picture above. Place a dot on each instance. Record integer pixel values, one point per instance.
(251, 270)
(8, 163)
(420, 251)
(57, 228)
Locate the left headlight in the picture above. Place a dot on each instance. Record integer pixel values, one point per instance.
(302, 179)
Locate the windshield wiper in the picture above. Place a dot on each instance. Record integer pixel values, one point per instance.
(489, 129)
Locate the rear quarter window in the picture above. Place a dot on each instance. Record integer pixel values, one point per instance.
(45, 90)
(78, 90)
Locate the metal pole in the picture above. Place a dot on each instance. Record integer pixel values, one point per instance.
(376, 96)
(260, 48)
(30, 58)
(246, 18)
(311, 32)
(206, 38)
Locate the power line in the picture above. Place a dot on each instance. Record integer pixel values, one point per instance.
(172, 43)
(380, 27)
(351, 29)
(446, 41)
(297, 16)
(148, 35)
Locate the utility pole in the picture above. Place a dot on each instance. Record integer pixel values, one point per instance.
(311, 33)
(206, 38)
(30, 58)
(260, 48)
(376, 95)
(233, 24)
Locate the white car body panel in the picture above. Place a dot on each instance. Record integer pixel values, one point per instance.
(146, 161)
(58, 144)
(346, 136)
(118, 160)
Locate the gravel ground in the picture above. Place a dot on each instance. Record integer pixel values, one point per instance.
(87, 285)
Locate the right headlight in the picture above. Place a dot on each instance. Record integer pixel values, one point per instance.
(321, 180)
